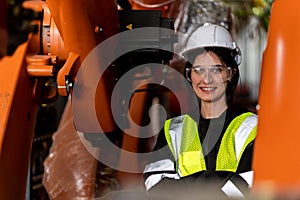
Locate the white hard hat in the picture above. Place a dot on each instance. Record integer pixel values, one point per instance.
(212, 35)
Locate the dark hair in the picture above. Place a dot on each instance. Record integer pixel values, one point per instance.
(226, 56)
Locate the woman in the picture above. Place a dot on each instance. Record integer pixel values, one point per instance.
(211, 154)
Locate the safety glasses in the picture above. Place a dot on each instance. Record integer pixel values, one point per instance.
(218, 73)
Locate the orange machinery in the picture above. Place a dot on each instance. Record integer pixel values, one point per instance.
(67, 33)
(276, 155)
(24, 76)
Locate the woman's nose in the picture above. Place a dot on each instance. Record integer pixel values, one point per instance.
(207, 77)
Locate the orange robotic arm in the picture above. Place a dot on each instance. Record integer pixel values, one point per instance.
(276, 155)
(82, 25)
(23, 76)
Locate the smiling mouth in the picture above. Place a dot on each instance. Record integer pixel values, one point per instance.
(208, 89)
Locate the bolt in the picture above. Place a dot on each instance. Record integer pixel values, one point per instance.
(98, 29)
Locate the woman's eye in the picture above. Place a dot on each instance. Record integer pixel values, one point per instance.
(199, 70)
(219, 69)
(202, 71)
(216, 70)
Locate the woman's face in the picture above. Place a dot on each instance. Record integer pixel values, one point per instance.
(210, 76)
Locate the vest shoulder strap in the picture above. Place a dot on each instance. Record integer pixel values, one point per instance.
(240, 132)
(186, 148)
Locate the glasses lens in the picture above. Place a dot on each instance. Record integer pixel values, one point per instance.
(216, 72)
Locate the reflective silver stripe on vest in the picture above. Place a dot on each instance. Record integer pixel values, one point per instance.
(231, 190)
(176, 134)
(160, 166)
(243, 132)
(248, 177)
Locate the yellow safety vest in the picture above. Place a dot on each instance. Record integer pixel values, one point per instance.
(183, 140)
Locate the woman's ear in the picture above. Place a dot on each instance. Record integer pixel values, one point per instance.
(233, 71)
